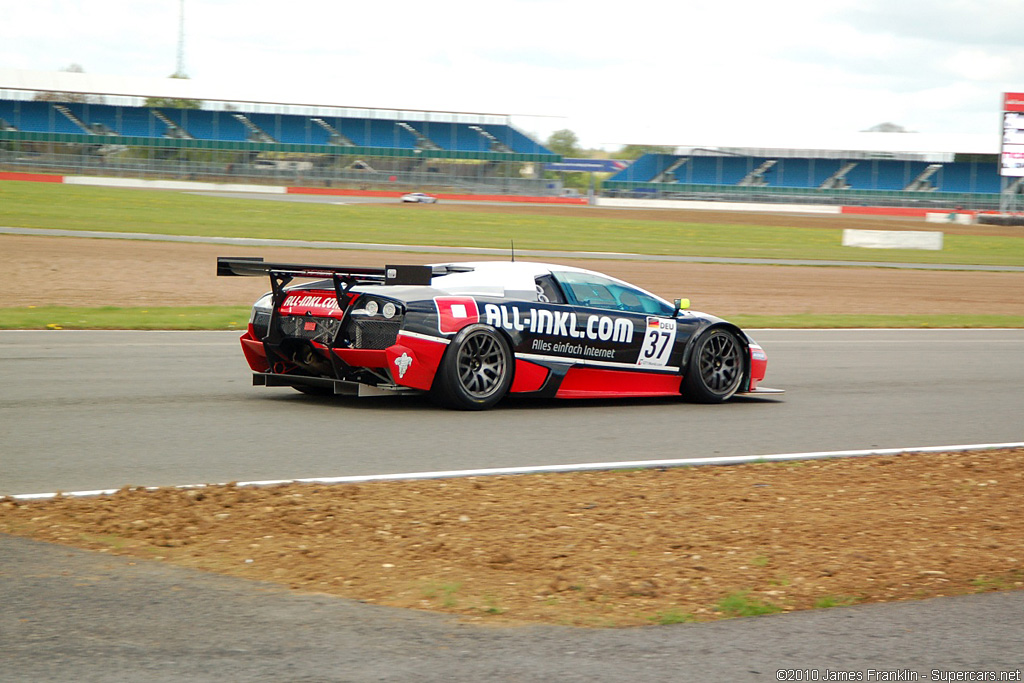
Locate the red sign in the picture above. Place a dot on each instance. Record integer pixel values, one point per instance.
(1012, 151)
(1013, 101)
(311, 302)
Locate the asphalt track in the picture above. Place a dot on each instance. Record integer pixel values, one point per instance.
(87, 410)
(93, 410)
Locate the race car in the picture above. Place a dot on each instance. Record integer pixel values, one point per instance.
(418, 198)
(471, 333)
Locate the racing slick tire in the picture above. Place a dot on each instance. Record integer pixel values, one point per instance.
(716, 367)
(476, 371)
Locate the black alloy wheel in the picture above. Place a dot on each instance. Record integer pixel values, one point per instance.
(476, 371)
(716, 368)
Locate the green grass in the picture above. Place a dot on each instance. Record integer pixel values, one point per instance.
(740, 604)
(112, 318)
(42, 205)
(446, 592)
(71, 207)
(997, 583)
(673, 616)
(816, 321)
(828, 601)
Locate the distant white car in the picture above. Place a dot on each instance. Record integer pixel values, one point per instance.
(418, 198)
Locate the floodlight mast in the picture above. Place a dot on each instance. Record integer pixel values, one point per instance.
(179, 72)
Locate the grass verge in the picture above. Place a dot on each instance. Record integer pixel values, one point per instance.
(42, 205)
(816, 321)
(114, 318)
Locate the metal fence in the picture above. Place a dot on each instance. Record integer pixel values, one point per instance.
(369, 173)
(781, 195)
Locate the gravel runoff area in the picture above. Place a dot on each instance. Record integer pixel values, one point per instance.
(104, 272)
(596, 549)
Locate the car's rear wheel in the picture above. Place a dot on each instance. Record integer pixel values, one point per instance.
(716, 367)
(476, 371)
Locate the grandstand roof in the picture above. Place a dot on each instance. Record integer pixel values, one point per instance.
(765, 143)
(188, 89)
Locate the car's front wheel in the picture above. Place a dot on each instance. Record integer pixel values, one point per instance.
(476, 370)
(716, 367)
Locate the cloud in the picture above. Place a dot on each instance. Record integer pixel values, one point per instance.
(992, 24)
(661, 72)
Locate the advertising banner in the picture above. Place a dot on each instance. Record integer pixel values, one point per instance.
(591, 165)
(1011, 157)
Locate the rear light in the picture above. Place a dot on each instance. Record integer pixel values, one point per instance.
(374, 323)
(380, 309)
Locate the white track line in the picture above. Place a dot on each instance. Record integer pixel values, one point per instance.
(540, 469)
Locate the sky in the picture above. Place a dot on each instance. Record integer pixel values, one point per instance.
(674, 72)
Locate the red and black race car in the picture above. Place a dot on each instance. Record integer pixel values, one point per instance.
(470, 333)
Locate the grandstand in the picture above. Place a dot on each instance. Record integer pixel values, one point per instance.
(816, 176)
(74, 123)
(334, 146)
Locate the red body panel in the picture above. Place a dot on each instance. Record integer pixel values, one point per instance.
(529, 377)
(758, 366)
(312, 302)
(586, 382)
(420, 356)
(455, 312)
(363, 358)
(254, 353)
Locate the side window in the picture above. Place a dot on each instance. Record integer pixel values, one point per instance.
(593, 294)
(548, 290)
(587, 289)
(639, 301)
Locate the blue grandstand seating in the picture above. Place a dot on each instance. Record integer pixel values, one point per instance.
(645, 169)
(514, 140)
(968, 177)
(802, 173)
(373, 132)
(37, 117)
(291, 129)
(44, 117)
(466, 139)
(208, 125)
(883, 174)
(717, 170)
(791, 173)
(810, 173)
(132, 121)
(454, 136)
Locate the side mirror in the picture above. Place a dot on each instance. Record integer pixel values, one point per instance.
(681, 305)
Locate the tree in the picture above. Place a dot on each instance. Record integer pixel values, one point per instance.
(171, 102)
(637, 151)
(887, 127)
(564, 142)
(50, 96)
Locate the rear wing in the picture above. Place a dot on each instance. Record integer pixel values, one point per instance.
(388, 275)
